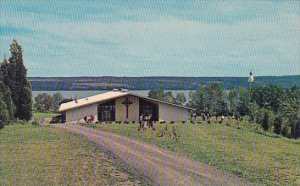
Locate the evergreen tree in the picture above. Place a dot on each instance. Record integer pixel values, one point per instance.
(4, 69)
(5, 92)
(277, 125)
(4, 115)
(243, 105)
(265, 122)
(18, 83)
(295, 130)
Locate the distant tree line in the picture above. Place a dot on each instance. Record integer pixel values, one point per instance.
(160, 94)
(15, 89)
(45, 102)
(274, 108)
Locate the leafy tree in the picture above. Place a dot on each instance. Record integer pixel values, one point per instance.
(168, 97)
(285, 131)
(201, 100)
(277, 125)
(265, 122)
(180, 98)
(291, 110)
(56, 100)
(243, 105)
(233, 99)
(156, 94)
(268, 97)
(254, 112)
(216, 98)
(43, 102)
(191, 99)
(209, 99)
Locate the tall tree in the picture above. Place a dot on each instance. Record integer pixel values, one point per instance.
(265, 122)
(277, 125)
(18, 83)
(243, 106)
(6, 96)
(291, 109)
(4, 115)
(233, 97)
(5, 92)
(4, 72)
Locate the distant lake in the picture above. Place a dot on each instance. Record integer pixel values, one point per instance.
(86, 93)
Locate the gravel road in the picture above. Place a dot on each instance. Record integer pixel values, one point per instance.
(161, 166)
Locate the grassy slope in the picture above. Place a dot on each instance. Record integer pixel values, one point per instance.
(256, 157)
(43, 156)
(41, 115)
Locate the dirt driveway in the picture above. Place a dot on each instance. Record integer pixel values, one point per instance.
(161, 166)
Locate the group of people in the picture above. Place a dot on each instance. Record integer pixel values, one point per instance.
(146, 120)
(207, 116)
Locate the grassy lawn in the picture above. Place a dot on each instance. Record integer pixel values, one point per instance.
(255, 157)
(32, 155)
(42, 115)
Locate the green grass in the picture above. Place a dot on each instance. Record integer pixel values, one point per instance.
(259, 158)
(31, 155)
(42, 115)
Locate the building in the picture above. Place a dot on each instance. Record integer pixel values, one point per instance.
(122, 106)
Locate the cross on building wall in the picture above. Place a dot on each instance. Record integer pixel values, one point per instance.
(127, 103)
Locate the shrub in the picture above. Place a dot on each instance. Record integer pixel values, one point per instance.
(35, 122)
(285, 131)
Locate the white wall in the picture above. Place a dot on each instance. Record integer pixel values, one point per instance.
(79, 113)
(166, 112)
(172, 113)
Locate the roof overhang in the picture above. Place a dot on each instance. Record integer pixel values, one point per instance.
(100, 98)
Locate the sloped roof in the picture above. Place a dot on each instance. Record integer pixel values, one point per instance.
(92, 99)
(106, 97)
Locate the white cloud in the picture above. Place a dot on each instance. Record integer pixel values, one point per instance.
(164, 41)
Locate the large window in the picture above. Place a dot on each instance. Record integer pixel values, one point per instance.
(148, 108)
(106, 111)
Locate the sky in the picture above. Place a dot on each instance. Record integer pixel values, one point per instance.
(153, 38)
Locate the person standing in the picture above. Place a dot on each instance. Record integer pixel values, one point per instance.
(141, 122)
(151, 122)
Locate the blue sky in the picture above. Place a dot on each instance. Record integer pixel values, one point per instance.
(153, 38)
